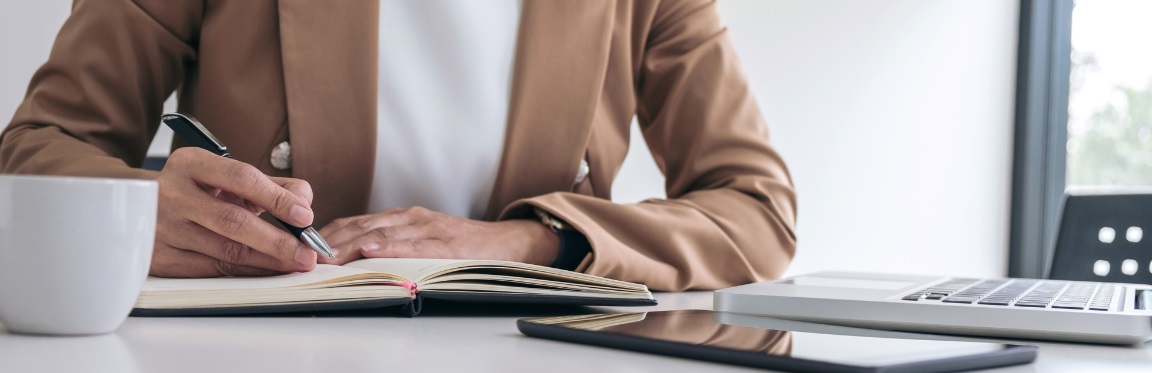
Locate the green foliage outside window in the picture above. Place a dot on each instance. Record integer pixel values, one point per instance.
(1116, 148)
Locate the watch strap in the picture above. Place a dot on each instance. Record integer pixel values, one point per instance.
(574, 246)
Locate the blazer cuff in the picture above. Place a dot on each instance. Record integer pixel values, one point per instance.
(574, 248)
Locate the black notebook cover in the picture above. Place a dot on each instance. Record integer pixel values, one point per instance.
(407, 307)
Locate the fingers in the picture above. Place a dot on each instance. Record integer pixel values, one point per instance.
(241, 226)
(215, 246)
(247, 182)
(401, 240)
(236, 200)
(344, 222)
(419, 248)
(171, 262)
(344, 230)
(351, 249)
(406, 241)
(378, 237)
(298, 187)
(208, 225)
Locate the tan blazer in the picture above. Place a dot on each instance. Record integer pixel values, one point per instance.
(261, 72)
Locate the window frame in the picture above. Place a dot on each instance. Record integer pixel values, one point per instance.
(1041, 134)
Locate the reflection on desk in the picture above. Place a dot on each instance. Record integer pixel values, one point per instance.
(686, 328)
(366, 342)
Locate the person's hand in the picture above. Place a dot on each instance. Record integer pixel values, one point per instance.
(208, 221)
(418, 232)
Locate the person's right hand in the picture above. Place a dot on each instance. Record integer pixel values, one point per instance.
(208, 221)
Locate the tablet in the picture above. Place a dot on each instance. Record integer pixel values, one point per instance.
(697, 334)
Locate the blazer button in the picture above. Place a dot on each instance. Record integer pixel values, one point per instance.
(282, 156)
(582, 173)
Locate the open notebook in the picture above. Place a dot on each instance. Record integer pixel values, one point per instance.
(376, 283)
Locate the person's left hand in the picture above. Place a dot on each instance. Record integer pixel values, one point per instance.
(418, 232)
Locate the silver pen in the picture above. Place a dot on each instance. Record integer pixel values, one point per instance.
(192, 132)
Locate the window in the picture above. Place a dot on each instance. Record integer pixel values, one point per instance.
(1110, 95)
(1083, 113)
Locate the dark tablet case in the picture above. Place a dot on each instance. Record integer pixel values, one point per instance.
(406, 307)
(1013, 355)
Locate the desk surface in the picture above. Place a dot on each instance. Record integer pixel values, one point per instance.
(432, 342)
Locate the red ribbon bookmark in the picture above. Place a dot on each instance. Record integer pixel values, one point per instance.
(411, 286)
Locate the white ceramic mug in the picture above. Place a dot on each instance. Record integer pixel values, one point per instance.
(74, 252)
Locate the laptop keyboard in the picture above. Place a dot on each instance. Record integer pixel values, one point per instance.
(1020, 293)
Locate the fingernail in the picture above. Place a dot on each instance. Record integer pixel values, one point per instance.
(371, 247)
(300, 215)
(304, 256)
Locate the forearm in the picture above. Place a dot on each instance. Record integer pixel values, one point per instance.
(46, 150)
(92, 108)
(707, 239)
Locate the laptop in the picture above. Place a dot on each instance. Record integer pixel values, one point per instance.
(1079, 311)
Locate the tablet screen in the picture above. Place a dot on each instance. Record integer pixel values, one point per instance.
(698, 327)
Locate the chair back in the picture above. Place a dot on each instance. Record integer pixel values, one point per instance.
(1105, 237)
(154, 163)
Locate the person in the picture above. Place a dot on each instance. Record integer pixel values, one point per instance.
(435, 129)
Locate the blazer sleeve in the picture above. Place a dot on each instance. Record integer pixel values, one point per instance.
(94, 106)
(730, 215)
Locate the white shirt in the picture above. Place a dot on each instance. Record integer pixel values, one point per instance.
(445, 77)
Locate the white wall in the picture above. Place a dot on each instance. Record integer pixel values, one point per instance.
(895, 117)
(27, 29)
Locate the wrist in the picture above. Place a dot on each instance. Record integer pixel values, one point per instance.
(542, 246)
(574, 246)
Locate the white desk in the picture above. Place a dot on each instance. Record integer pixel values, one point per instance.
(386, 343)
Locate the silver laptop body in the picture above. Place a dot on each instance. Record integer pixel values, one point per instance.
(1114, 313)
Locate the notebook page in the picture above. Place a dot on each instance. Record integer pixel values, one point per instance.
(445, 272)
(323, 273)
(414, 269)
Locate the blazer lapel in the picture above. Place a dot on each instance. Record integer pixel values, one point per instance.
(561, 59)
(329, 54)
